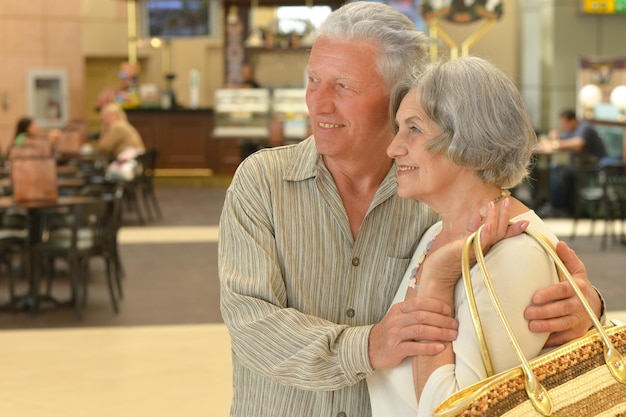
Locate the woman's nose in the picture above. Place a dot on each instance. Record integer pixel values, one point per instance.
(394, 149)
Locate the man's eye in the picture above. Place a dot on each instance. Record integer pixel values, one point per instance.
(342, 85)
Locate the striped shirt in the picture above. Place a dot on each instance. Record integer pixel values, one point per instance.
(299, 295)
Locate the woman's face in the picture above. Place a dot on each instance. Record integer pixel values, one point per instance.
(421, 174)
(33, 130)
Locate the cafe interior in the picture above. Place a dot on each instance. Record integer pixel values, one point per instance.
(109, 292)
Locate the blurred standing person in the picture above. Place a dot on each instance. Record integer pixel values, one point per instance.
(126, 94)
(246, 80)
(247, 77)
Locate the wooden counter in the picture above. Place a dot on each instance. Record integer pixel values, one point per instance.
(184, 138)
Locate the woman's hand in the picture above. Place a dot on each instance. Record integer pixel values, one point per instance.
(442, 268)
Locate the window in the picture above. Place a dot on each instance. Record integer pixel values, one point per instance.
(296, 19)
(179, 18)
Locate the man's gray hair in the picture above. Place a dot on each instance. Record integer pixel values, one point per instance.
(402, 46)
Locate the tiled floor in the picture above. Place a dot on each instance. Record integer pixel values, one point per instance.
(152, 371)
(155, 371)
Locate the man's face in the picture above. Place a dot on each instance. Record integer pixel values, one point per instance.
(347, 100)
(567, 125)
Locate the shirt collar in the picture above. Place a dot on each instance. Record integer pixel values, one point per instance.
(308, 163)
(304, 165)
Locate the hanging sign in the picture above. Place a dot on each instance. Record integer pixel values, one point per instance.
(462, 11)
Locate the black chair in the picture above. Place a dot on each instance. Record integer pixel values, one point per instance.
(112, 193)
(13, 237)
(601, 193)
(78, 237)
(614, 200)
(132, 190)
(589, 185)
(150, 202)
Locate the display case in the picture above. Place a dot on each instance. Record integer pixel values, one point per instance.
(48, 97)
(242, 113)
(289, 106)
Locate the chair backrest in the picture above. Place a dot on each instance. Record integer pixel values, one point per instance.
(112, 194)
(615, 182)
(149, 162)
(150, 158)
(69, 142)
(34, 179)
(83, 227)
(32, 148)
(612, 136)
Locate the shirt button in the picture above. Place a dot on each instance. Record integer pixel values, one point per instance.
(341, 414)
(350, 313)
(355, 261)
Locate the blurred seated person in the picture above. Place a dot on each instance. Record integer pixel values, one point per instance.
(586, 147)
(28, 135)
(117, 135)
(579, 137)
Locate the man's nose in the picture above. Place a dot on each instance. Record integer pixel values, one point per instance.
(320, 101)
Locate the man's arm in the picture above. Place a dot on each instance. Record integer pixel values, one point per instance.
(558, 310)
(572, 144)
(269, 335)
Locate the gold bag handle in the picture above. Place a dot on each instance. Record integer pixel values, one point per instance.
(536, 392)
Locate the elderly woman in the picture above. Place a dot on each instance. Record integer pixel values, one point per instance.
(117, 134)
(463, 140)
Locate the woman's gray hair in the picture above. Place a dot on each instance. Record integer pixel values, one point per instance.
(402, 46)
(483, 117)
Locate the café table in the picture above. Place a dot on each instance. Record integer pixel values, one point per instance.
(32, 299)
(5, 170)
(62, 182)
(545, 156)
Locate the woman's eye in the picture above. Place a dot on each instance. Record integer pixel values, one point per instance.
(415, 130)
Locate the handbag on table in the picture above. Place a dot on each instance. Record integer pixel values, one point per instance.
(585, 377)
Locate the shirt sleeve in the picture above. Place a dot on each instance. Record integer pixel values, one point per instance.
(270, 338)
(108, 142)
